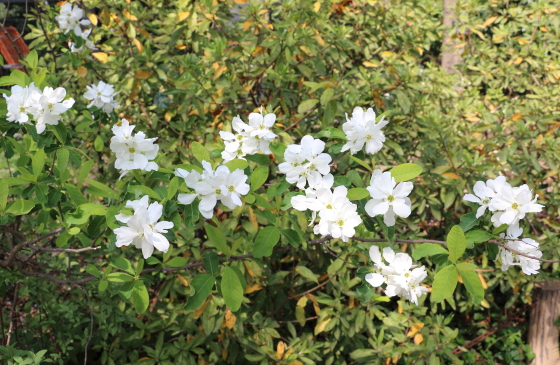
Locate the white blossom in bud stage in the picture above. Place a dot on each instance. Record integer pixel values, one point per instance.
(70, 18)
(87, 43)
(143, 229)
(102, 96)
(305, 162)
(49, 106)
(362, 129)
(20, 102)
(401, 277)
(250, 138)
(133, 151)
(212, 186)
(389, 198)
(527, 246)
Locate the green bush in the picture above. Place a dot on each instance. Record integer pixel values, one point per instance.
(183, 70)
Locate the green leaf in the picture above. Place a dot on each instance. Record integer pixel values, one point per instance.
(263, 160)
(74, 231)
(120, 277)
(405, 172)
(98, 144)
(292, 236)
(468, 221)
(232, 290)
(4, 191)
(140, 297)
(307, 105)
(456, 243)
(102, 189)
(211, 261)
(428, 249)
(444, 284)
(145, 190)
(139, 267)
(259, 177)
(75, 194)
(32, 59)
(259, 201)
(62, 156)
(477, 236)
(176, 262)
(93, 270)
(217, 238)
(173, 187)
(492, 251)
(277, 149)
(500, 229)
(472, 282)
(265, 241)
(38, 162)
(357, 193)
(200, 153)
(360, 162)
(20, 207)
(355, 178)
(60, 132)
(331, 132)
(237, 164)
(330, 112)
(202, 284)
(306, 273)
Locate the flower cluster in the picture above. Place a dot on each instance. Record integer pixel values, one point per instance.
(70, 19)
(389, 198)
(133, 151)
(526, 246)
(305, 162)
(142, 228)
(213, 185)
(45, 107)
(400, 275)
(102, 97)
(250, 138)
(509, 205)
(338, 216)
(362, 129)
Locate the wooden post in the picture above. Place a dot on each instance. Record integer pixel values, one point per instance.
(543, 334)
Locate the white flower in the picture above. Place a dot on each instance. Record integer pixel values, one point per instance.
(50, 104)
(133, 152)
(213, 186)
(339, 221)
(250, 138)
(70, 18)
(388, 199)
(87, 43)
(102, 96)
(361, 130)
(515, 203)
(144, 231)
(483, 196)
(20, 102)
(401, 276)
(305, 163)
(527, 246)
(137, 205)
(260, 125)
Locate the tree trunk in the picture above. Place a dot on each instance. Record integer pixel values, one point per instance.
(543, 334)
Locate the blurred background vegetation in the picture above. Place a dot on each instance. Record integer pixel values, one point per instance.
(185, 68)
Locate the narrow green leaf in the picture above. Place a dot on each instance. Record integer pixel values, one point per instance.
(120, 277)
(176, 262)
(93, 270)
(355, 178)
(360, 162)
(456, 243)
(259, 177)
(307, 105)
(428, 249)
(202, 285)
(237, 164)
(262, 160)
(444, 284)
(477, 236)
(329, 113)
(357, 194)
(145, 190)
(231, 289)
(4, 191)
(292, 236)
(265, 241)
(217, 238)
(331, 132)
(468, 221)
(140, 297)
(103, 189)
(38, 162)
(122, 264)
(306, 273)
(473, 284)
(500, 229)
(492, 251)
(20, 207)
(200, 153)
(211, 261)
(405, 172)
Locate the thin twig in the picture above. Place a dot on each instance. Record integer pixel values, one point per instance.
(295, 320)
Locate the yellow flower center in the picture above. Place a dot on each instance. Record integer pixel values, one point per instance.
(231, 188)
(132, 150)
(218, 191)
(328, 206)
(514, 206)
(390, 198)
(340, 222)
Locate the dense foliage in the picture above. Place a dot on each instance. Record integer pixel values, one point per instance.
(183, 70)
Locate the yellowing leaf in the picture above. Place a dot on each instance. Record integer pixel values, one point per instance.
(280, 350)
(253, 288)
(306, 50)
(316, 6)
(517, 116)
(129, 16)
(240, 2)
(451, 175)
(230, 319)
(295, 362)
(489, 21)
(386, 53)
(138, 45)
(320, 40)
(302, 302)
(219, 71)
(320, 327)
(82, 71)
(101, 56)
(182, 280)
(472, 118)
(142, 75)
(483, 281)
(247, 24)
(418, 339)
(518, 60)
(181, 46)
(93, 19)
(183, 15)
(200, 310)
(60, 3)
(259, 50)
(369, 64)
(523, 41)
(249, 270)
(414, 329)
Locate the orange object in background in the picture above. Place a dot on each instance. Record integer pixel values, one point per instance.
(10, 53)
